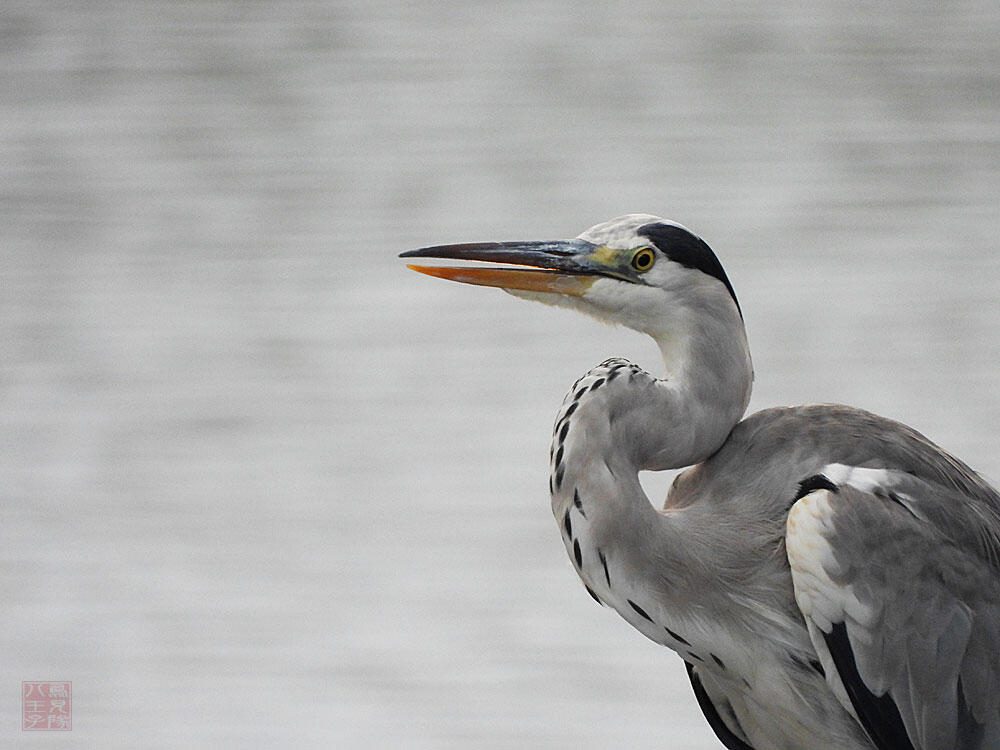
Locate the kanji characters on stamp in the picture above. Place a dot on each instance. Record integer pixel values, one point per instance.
(46, 706)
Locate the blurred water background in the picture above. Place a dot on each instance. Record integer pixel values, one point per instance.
(263, 487)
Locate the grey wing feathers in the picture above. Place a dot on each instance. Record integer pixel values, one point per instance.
(899, 583)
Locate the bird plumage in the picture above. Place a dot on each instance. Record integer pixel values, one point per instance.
(828, 576)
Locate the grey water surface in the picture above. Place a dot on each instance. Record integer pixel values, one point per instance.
(262, 487)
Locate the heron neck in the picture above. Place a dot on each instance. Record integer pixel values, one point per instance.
(619, 420)
(704, 394)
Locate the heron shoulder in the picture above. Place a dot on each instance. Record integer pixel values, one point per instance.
(856, 437)
(770, 452)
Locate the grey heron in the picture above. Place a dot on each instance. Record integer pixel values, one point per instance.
(831, 578)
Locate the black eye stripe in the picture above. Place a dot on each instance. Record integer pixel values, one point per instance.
(680, 246)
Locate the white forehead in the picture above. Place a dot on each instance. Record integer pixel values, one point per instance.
(621, 233)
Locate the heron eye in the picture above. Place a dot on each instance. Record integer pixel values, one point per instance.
(643, 260)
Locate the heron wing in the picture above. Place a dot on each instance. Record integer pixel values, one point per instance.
(718, 712)
(899, 583)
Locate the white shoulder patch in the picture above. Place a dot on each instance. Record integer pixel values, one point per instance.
(879, 482)
(864, 480)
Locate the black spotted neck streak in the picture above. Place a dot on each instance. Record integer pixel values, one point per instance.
(568, 504)
(583, 389)
(578, 503)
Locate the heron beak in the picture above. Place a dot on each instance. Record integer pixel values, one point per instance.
(558, 267)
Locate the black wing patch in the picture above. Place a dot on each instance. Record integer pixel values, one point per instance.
(878, 713)
(715, 721)
(813, 483)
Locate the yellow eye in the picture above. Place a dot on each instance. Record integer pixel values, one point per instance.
(643, 260)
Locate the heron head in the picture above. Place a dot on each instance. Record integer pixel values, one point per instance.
(638, 270)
